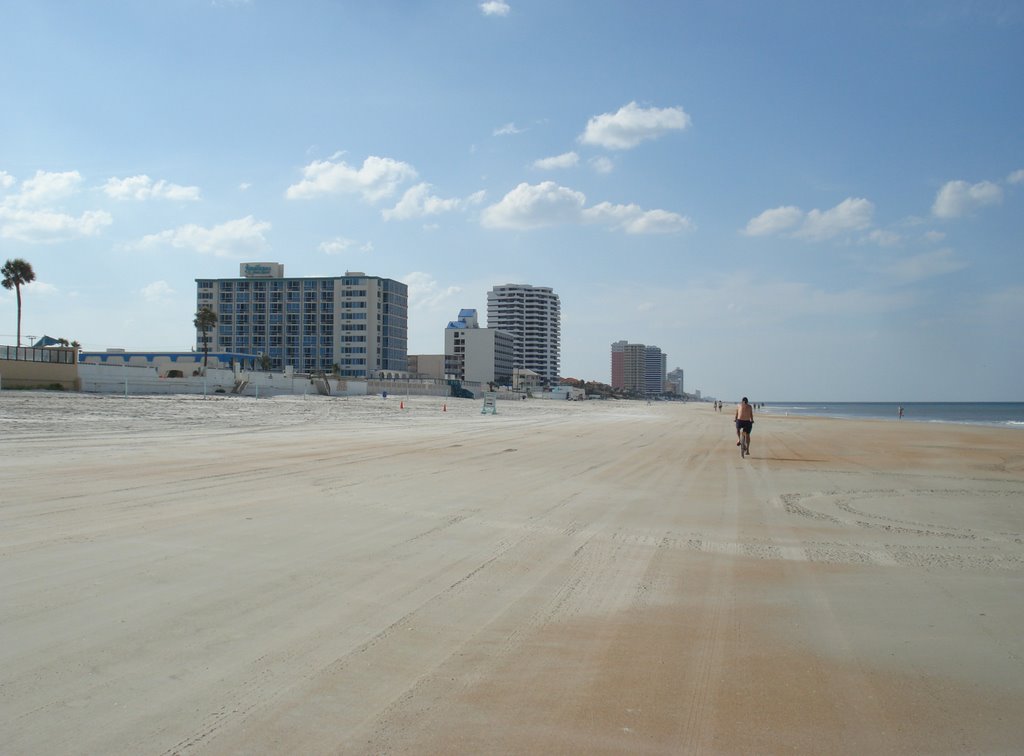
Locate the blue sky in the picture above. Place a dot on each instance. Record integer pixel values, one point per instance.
(794, 200)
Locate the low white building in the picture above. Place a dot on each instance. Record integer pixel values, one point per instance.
(475, 354)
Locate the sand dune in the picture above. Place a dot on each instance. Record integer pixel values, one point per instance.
(331, 575)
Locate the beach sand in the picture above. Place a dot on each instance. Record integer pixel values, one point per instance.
(227, 576)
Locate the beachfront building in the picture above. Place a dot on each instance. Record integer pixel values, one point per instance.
(354, 325)
(475, 354)
(638, 368)
(618, 365)
(175, 364)
(532, 314)
(427, 366)
(655, 367)
(675, 382)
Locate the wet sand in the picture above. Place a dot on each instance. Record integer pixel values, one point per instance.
(189, 576)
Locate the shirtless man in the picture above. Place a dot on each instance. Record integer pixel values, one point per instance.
(744, 420)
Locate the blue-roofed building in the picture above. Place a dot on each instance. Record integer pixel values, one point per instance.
(475, 354)
(186, 363)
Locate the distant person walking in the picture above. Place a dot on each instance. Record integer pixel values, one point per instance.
(899, 414)
(744, 420)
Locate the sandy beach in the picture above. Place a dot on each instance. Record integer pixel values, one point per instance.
(351, 575)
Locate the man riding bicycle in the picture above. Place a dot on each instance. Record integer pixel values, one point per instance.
(744, 421)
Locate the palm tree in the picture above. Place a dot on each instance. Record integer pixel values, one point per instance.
(16, 273)
(205, 319)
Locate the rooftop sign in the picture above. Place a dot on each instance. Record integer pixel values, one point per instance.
(261, 270)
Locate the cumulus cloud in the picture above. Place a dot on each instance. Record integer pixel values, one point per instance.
(376, 179)
(883, 238)
(50, 225)
(774, 221)
(235, 238)
(634, 220)
(418, 202)
(45, 188)
(38, 287)
(531, 206)
(425, 292)
(535, 206)
(142, 187)
(925, 265)
(631, 125)
(340, 245)
(157, 292)
(565, 160)
(958, 198)
(602, 164)
(495, 8)
(1014, 178)
(852, 214)
(30, 214)
(507, 129)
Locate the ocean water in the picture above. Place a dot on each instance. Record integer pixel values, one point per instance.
(1009, 414)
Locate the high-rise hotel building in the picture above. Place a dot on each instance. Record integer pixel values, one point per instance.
(638, 368)
(532, 314)
(355, 321)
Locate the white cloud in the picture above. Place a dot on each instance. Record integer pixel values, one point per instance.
(602, 164)
(418, 202)
(958, 198)
(340, 245)
(235, 238)
(659, 222)
(507, 129)
(158, 292)
(925, 265)
(634, 220)
(44, 188)
(883, 238)
(376, 179)
(548, 204)
(632, 125)
(934, 236)
(495, 8)
(26, 215)
(1016, 177)
(774, 221)
(6, 180)
(565, 160)
(425, 292)
(244, 186)
(50, 225)
(38, 288)
(142, 187)
(535, 206)
(852, 214)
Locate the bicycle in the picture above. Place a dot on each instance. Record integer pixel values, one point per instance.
(744, 443)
